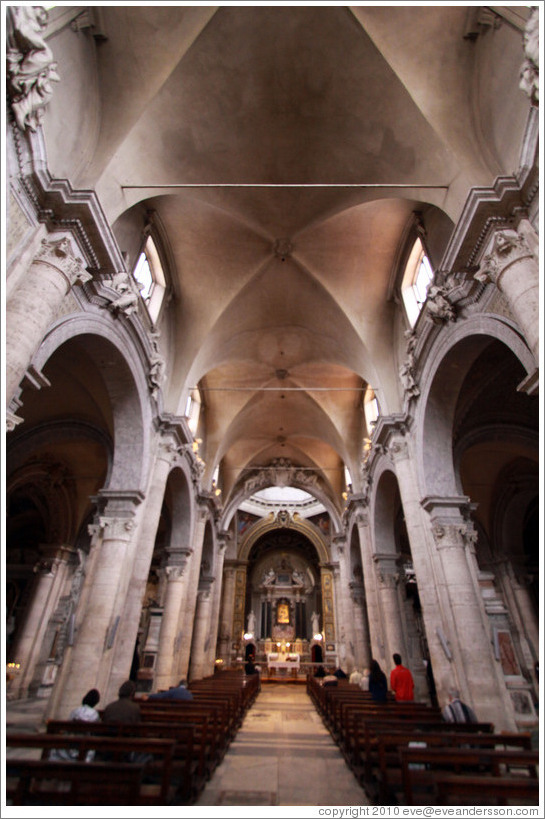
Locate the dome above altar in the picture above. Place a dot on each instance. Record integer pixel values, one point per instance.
(274, 498)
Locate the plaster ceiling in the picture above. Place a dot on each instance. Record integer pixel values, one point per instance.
(266, 140)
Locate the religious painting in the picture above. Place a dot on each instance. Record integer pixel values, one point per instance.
(283, 613)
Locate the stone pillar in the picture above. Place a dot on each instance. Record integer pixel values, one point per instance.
(362, 645)
(176, 580)
(376, 636)
(469, 637)
(100, 621)
(345, 617)
(387, 581)
(50, 577)
(187, 611)
(35, 303)
(212, 652)
(227, 611)
(201, 629)
(510, 263)
(328, 608)
(142, 555)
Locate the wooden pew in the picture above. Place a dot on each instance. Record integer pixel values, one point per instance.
(469, 790)
(184, 771)
(388, 773)
(365, 756)
(421, 767)
(43, 782)
(154, 755)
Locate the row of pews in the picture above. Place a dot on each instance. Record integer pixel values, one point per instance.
(166, 759)
(405, 754)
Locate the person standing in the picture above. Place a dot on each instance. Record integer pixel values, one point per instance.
(378, 684)
(401, 681)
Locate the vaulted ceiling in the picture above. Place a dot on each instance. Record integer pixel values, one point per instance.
(285, 151)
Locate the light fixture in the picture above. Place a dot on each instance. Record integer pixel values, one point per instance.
(248, 636)
(317, 637)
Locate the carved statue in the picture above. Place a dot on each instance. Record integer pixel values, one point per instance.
(128, 297)
(439, 307)
(298, 578)
(315, 620)
(269, 577)
(529, 72)
(407, 379)
(31, 68)
(251, 623)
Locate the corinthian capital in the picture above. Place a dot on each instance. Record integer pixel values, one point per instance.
(58, 254)
(508, 246)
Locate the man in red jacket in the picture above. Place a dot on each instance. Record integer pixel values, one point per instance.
(401, 681)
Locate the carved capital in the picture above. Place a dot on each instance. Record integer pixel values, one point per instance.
(174, 573)
(438, 306)
(508, 247)
(111, 528)
(57, 253)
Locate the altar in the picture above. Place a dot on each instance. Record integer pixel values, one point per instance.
(283, 662)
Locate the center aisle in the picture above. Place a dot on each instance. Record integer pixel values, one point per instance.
(283, 755)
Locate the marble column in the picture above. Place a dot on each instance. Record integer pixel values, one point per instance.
(343, 607)
(227, 611)
(212, 652)
(177, 581)
(387, 574)
(50, 577)
(141, 557)
(34, 304)
(99, 622)
(201, 629)
(362, 645)
(469, 634)
(377, 638)
(187, 612)
(510, 262)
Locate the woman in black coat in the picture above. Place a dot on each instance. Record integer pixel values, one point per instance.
(378, 684)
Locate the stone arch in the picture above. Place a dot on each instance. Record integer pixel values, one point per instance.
(126, 386)
(447, 365)
(180, 502)
(295, 523)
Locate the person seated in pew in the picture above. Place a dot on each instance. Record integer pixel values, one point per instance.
(378, 684)
(86, 712)
(340, 674)
(320, 671)
(175, 692)
(355, 677)
(364, 682)
(456, 710)
(123, 709)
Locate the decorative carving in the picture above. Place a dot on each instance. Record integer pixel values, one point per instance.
(111, 527)
(174, 572)
(399, 449)
(529, 71)
(508, 246)
(438, 306)
(127, 300)
(157, 368)
(407, 369)
(58, 254)
(30, 65)
(283, 517)
(282, 249)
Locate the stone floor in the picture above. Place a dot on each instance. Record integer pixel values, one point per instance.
(283, 755)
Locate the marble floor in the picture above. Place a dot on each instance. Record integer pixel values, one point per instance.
(283, 755)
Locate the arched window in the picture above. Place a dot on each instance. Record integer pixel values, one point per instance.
(193, 411)
(416, 280)
(149, 274)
